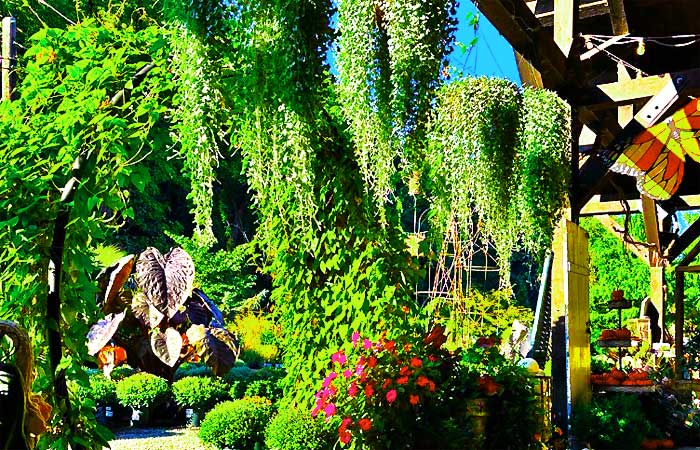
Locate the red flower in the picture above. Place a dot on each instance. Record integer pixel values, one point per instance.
(391, 396)
(369, 390)
(422, 381)
(433, 358)
(416, 362)
(413, 399)
(372, 362)
(402, 380)
(486, 385)
(436, 337)
(365, 424)
(390, 345)
(352, 389)
(344, 436)
(404, 371)
(431, 386)
(387, 383)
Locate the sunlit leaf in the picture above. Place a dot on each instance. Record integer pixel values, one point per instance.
(166, 280)
(146, 313)
(112, 279)
(167, 346)
(217, 347)
(101, 333)
(217, 317)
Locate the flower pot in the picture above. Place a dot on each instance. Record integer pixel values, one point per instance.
(193, 417)
(477, 409)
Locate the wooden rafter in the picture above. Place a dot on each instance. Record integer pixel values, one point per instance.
(683, 241)
(618, 18)
(564, 25)
(651, 229)
(585, 10)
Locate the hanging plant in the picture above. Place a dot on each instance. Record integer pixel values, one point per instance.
(473, 141)
(543, 167)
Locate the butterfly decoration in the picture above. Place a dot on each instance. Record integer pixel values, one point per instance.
(656, 156)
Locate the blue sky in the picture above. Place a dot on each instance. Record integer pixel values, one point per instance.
(491, 56)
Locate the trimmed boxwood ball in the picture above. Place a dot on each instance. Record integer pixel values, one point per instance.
(294, 429)
(238, 424)
(142, 390)
(102, 390)
(192, 370)
(199, 393)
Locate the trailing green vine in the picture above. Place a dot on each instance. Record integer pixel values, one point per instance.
(543, 167)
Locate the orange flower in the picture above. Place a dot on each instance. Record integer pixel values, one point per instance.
(413, 399)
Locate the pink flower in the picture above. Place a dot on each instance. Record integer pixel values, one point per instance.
(391, 396)
(346, 422)
(329, 410)
(367, 344)
(352, 389)
(355, 338)
(416, 362)
(329, 379)
(365, 424)
(339, 357)
(347, 373)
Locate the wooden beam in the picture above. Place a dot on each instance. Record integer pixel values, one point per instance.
(514, 20)
(688, 269)
(564, 25)
(684, 240)
(690, 257)
(598, 48)
(651, 229)
(679, 298)
(618, 18)
(585, 10)
(640, 251)
(630, 90)
(596, 207)
(529, 75)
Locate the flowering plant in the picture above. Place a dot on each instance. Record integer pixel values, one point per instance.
(391, 393)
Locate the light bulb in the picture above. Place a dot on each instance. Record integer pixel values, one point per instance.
(641, 47)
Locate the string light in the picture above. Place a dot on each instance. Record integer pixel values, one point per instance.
(641, 47)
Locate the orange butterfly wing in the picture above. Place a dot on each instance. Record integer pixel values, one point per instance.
(656, 157)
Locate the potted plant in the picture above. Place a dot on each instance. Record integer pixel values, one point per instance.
(142, 392)
(198, 395)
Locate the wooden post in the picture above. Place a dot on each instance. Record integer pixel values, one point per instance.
(679, 295)
(9, 56)
(564, 24)
(571, 358)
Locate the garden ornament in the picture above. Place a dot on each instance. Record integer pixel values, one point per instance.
(23, 414)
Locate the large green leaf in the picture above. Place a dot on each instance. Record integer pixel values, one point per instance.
(101, 333)
(166, 280)
(167, 346)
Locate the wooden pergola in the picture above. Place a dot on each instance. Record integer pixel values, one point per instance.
(623, 65)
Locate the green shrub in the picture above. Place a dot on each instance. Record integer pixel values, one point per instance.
(102, 390)
(121, 372)
(142, 390)
(238, 424)
(293, 429)
(199, 393)
(613, 421)
(192, 370)
(237, 389)
(259, 338)
(264, 388)
(239, 373)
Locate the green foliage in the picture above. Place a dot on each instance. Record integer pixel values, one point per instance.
(476, 314)
(294, 429)
(612, 267)
(237, 424)
(259, 337)
(543, 167)
(389, 60)
(612, 421)
(121, 372)
(142, 390)
(189, 369)
(199, 393)
(103, 390)
(225, 275)
(63, 116)
(477, 120)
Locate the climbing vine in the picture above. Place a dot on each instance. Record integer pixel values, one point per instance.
(64, 115)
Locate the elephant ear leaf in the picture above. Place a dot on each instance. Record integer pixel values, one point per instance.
(217, 348)
(112, 279)
(166, 280)
(167, 346)
(145, 312)
(217, 318)
(101, 333)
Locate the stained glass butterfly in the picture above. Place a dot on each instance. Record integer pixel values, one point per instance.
(656, 156)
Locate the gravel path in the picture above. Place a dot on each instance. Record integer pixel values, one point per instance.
(157, 439)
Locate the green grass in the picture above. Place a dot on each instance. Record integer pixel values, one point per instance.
(158, 439)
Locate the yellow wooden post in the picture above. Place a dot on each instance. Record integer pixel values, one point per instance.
(571, 357)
